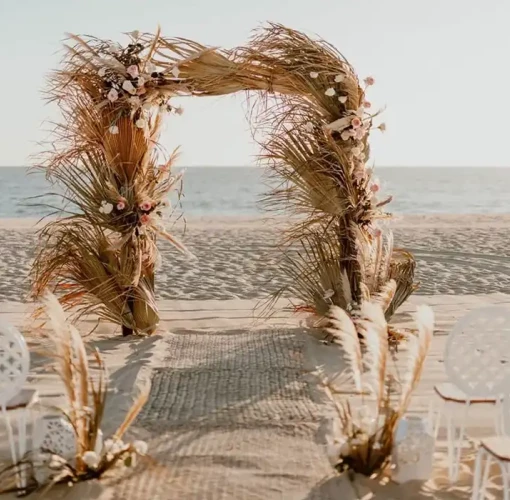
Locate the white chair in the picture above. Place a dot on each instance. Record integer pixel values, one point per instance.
(477, 364)
(14, 401)
(494, 449)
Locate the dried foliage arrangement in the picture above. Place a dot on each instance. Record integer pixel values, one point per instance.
(84, 378)
(101, 255)
(316, 149)
(361, 434)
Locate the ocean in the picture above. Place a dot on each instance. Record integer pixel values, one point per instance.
(232, 191)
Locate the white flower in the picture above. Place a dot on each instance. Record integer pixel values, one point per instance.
(345, 449)
(328, 294)
(105, 208)
(377, 446)
(175, 72)
(330, 92)
(134, 34)
(140, 82)
(339, 78)
(179, 110)
(140, 447)
(114, 47)
(333, 452)
(309, 127)
(345, 135)
(140, 123)
(113, 95)
(134, 100)
(132, 71)
(114, 130)
(128, 87)
(339, 124)
(356, 151)
(91, 459)
(314, 75)
(113, 447)
(342, 99)
(102, 72)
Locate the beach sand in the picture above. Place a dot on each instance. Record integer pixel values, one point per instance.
(235, 411)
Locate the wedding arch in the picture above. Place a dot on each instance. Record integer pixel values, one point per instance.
(100, 254)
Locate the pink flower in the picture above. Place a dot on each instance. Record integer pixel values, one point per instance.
(121, 204)
(359, 133)
(369, 80)
(132, 71)
(145, 219)
(367, 104)
(356, 122)
(377, 233)
(374, 187)
(145, 206)
(113, 95)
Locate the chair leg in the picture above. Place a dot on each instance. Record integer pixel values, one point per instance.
(22, 443)
(455, 437)
(485, 477)
(477, 475)
(10, 436)
(435, 413)
(504, 474)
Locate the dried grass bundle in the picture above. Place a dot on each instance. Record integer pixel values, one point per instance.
(85, 382)
(361, 438)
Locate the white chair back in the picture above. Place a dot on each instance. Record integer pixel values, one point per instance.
(14, 362)
(477, 355)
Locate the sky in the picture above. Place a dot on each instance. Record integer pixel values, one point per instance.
(442, 71)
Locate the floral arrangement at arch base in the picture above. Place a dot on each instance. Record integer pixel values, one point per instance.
(84, 377)
(362, 429)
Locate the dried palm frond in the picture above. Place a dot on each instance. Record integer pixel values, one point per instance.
(402, 271)
(315, 145)
(85, 380)
(362, 440)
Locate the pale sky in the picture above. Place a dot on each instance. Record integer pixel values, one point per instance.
(442, 70)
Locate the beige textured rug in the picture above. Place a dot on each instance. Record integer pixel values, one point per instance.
(232, 416)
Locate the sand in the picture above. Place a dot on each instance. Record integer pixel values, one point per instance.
(234, 410)
(237, 259)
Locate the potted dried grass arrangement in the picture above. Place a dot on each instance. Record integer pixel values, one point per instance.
(363, 426)
(84, 378)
